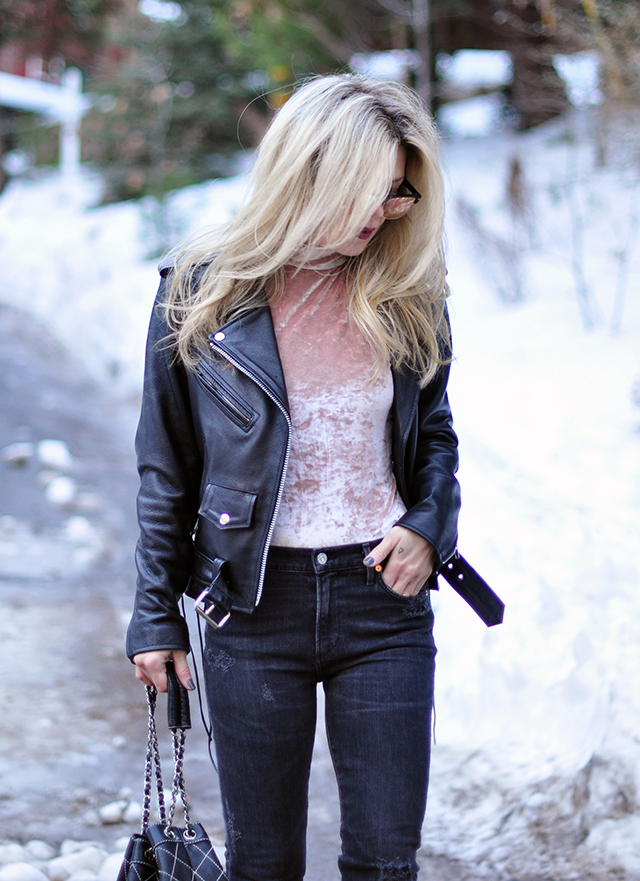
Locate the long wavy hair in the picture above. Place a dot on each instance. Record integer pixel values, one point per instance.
(324, 165)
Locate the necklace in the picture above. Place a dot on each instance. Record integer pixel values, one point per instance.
(305, 296)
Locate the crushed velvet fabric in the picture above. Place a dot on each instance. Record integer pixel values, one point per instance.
(340, 487)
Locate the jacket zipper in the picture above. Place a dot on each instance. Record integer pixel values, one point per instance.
(285, 464)
(243, 418)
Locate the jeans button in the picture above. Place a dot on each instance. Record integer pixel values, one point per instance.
(321, 559)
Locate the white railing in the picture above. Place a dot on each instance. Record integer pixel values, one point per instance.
(64, 104)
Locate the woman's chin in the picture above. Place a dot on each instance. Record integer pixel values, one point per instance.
(354, 247)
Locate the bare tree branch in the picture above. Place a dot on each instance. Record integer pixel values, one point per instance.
(333, 44)
(399, 8)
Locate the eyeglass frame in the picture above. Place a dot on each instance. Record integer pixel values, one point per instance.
(413, 193)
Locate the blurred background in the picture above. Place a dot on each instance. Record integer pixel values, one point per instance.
(124, 127)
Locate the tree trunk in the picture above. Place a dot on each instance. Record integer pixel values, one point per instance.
(4, 177)
(420, 27)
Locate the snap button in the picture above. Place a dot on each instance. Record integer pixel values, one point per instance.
(219, 336)
(224, 519)
(322, 558)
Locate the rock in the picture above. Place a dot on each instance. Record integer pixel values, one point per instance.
(126, 792)
(89, 543)
(21, 872)
(18, 453)
(8, 525)
(46, 476)
(61, 491)
(120, 844)
(83, 875)
(112, 813)
(54, 454)
(79, 530)
(179, 808)
(56, 870)
(91, 818)
(90, 858)
(11, 853)
(39, 850)
(70, 845)
(88, 501)
(111, 866)
(133, 813)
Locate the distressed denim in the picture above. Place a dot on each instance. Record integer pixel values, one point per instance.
(323, 617)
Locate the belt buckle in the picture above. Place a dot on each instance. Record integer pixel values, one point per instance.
(207, 609)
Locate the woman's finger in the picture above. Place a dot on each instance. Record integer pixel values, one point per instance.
(182, 669)
(409, 563)
(381, 551)
(151, 668)
(142, 677)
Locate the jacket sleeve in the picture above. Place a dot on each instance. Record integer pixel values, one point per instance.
(170, 468)
(431, 461)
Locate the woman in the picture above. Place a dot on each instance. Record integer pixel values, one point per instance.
(297, 474)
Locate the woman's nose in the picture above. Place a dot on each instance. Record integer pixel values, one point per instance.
(378, 214)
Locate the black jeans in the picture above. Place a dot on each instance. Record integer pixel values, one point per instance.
(326, 618)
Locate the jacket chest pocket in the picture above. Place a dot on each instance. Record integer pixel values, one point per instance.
(227, 400)
(227, 508)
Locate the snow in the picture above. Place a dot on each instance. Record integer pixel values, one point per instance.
(581, 75)
(550, 450)
(538, 718)
(475, 68)
(161, 10)
(393, 64)
(473, 117)
(87, 272)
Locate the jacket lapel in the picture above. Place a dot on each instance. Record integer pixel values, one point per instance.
(405, 395)
(245, 336)
(252, 332)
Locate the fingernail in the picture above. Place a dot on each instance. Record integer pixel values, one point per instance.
(191, 685)
(368, 561)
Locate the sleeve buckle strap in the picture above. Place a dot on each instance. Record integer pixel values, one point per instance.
(464, 579)
(212, 609)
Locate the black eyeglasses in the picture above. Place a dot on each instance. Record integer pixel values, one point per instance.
(397, 205)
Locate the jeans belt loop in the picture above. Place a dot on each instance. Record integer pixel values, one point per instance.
(366, 550)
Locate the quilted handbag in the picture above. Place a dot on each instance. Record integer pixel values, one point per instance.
(162, 851)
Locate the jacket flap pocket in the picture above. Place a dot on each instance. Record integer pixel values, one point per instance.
(227, 508)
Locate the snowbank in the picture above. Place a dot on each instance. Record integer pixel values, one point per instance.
(90, 273)
(538, 718)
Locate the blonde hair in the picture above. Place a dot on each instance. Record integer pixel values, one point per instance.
(323, 167)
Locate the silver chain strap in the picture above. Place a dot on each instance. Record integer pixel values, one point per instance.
(178, 789)
(152, 764)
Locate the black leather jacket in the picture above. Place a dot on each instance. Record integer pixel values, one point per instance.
(212, 448)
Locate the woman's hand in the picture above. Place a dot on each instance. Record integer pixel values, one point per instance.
(151, 668)
(410, 562)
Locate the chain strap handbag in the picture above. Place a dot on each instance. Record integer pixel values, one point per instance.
(162, 851)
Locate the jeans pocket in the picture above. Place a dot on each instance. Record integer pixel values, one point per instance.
(417, 605)
(404, 598)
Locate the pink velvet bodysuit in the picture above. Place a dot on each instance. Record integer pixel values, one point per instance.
(339, 487)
